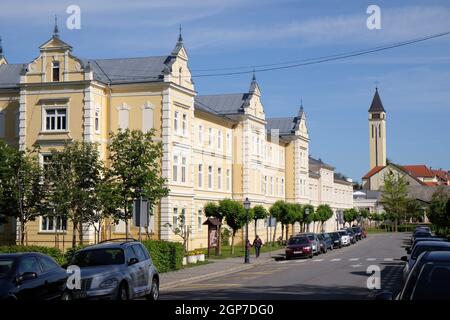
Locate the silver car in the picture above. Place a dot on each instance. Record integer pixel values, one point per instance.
(116, 270)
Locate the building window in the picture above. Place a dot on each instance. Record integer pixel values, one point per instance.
(175, 169)
(219, 178)
(228, 142)
(199, 220)
(276, 187)
(184, 124)
(265, 184)
(55, 71)
(53, 224)
(56, 119)
(180, 75)
(228, 179)
(97, 120)
(175, 218)
(183, 169)
(258, 147)
(209, 177)
(282, 187)
(175, 121)
(271, 185)
(219, 139)
(200, 134)
(200, 175)
(210, 136)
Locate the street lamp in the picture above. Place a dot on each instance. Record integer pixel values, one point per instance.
(247, 253)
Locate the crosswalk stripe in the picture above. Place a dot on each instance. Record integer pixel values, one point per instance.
(318, 260)
(353, 259)
(371, 259)
(388, 259)
(336, 259)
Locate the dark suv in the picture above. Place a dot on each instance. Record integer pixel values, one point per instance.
(118, 270)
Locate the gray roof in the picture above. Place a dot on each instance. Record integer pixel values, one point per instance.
(377, 105)
(222, 104)
(424, 193)
(286, 126)
(128, 70)
(10, 75)
(316, 164)
(372, 194)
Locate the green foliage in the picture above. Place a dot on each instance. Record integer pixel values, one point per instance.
(364, 213)
(308, 218)
(234, 213)
(225, 236)
(395, 197)
(53, 252)
(439, 212)
(212, 210)
(135, 171)
(259, 212)
(324, 212)
(350, 215)
(166, 256)
(414, 210)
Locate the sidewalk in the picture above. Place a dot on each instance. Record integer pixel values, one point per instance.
(216, 268)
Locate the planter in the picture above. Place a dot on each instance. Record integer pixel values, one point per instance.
(184, 261)
(200, 257)
(192, 259)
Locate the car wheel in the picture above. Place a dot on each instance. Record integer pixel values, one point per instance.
(311, 256)
(66, 296)
(122, 293)
(288, 258)
(154, 294)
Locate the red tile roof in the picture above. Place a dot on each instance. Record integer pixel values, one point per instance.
(442, 174)
(373, 171)
(430, 184)
(419, 171)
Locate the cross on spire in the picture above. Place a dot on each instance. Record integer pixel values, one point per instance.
(55, 28)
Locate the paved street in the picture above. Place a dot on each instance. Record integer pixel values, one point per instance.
(339, 274)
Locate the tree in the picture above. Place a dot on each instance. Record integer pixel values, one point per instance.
(276, 211)
(394, 197)
(350, 215)
(235, 216)
(182, 230)
(438, 214)
(414, 210)
(307, 218)
(74, 174)
(297, 211)
(259, 213)
(288, 217)
(135, 170)
(22, 189)
(212, 210)
(323, 212)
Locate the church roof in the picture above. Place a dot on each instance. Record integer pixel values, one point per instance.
(419, 171)
(373, 171)
(377, 105)
(286, 126)
(10, 75)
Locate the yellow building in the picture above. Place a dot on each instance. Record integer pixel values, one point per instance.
(214, 146)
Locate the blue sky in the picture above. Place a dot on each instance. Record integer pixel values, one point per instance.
(414, 80)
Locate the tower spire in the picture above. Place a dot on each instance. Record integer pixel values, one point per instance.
(180, 37)
(55, 28)
(301, 110)
(1, 48)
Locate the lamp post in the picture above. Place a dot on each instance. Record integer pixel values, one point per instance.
(307, 222)
(247, 208)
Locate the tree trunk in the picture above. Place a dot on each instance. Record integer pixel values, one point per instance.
(232, 242)
(282, 232)
(219, 239)
(22, 233)
(274, 232)
(287, 231)
(74, 234)
(126, 228)
(80, 233)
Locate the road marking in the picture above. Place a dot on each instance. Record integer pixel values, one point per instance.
(353, 259)
(318, 260)
(284, 261)
(356, 265)
(388, 259)
(371, 259)
(298, 261)
(339, 259)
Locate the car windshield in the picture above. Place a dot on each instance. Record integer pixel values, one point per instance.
(298, 240)
(334, 235)
(98, 257)
(310, 237)
(422, 235)
(433, 283)
(6, 266)
(342, 233)
(419, 249)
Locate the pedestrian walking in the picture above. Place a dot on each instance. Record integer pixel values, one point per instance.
(257, 243)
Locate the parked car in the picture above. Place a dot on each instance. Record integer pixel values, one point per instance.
(345, 237)
(420, 234)
(418, 249)
(357, 232)
(427, 280)
(312, 237)
(336, 238)
(32, 276)
(116, 270)
(351, 234)
(418, 240)
(329, 244)
(298, 246)
(423, 228)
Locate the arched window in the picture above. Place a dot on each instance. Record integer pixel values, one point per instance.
(180, 74)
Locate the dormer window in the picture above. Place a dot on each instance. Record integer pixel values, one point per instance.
(55, 71)
(180, 74)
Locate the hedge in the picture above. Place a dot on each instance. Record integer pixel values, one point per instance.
(166, 256)
(53, 252)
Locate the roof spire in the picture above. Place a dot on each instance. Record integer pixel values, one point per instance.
(180, 37)
(254, 76)
(377, 105)
(254, 88)
(55, 28)
(1, 48)
(301, 111)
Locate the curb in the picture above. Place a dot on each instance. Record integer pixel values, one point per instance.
(216, 274)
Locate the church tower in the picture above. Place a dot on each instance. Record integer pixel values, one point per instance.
(377, 132)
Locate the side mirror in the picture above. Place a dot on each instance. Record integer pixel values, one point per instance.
(384, 296)
(132, 261)
(26, 276)
(404, 258)
(408, 251)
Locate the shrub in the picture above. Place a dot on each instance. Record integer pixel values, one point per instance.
(166, 255)
(52, 252)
